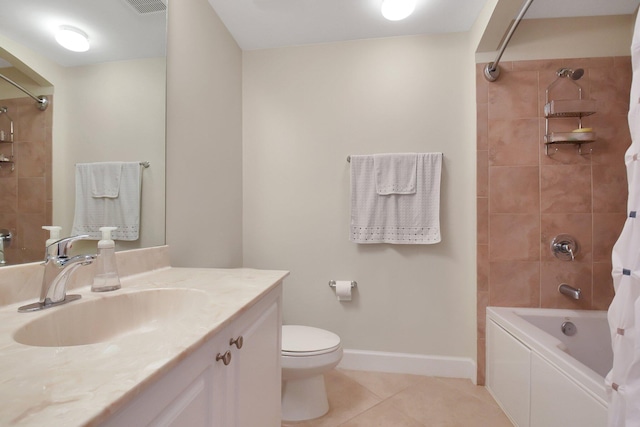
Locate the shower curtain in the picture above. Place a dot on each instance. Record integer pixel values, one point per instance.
(623, 382)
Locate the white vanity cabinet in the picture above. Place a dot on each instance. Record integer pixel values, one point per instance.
(232, 380)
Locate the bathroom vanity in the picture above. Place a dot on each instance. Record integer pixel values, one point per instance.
(173, 347)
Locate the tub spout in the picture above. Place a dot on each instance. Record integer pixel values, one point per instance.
(570, 291)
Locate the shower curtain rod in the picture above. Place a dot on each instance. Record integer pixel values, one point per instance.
(492, 70)
(42, 101)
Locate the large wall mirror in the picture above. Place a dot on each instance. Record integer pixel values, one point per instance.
(107, 104)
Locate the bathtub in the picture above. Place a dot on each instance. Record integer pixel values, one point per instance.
(542, 377)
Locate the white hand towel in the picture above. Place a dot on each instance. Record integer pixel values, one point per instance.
(396, 218)
(105, 178)
(122, 211)
(395, 173)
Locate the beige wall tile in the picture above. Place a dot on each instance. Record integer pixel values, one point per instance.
(515, 97)
(610, 189)
(514, 189)
(482, 174)
(606, 230)
(483, 268)
(32, 195)
(513, 142)
(514, 284)
(514, 237)
(565, 188)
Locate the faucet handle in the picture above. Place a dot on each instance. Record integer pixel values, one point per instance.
(63, 245)
(564, 247)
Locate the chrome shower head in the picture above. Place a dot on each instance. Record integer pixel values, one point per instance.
(576, 74)
(572, 74)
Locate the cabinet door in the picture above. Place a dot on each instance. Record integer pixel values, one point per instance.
(257, 369)
(222, 376)
(556, 401)
(180, 398)
(190, 408)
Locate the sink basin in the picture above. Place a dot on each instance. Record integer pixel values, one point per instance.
(103, 319)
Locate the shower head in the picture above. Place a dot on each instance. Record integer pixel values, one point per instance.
(576, 74)
(572, 74)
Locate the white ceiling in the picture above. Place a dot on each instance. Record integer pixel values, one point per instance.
(118, 32)
(258, 24)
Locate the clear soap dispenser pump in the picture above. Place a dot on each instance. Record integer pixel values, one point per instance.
(106, 277)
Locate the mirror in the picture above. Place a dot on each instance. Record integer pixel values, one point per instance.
(107, 104)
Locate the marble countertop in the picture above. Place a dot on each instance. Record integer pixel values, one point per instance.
(83, 385)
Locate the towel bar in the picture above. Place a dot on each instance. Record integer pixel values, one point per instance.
(349, 158)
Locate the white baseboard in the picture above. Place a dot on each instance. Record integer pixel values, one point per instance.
(403, 363)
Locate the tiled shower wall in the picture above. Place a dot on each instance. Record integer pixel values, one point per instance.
(26, 192)
(525, 198)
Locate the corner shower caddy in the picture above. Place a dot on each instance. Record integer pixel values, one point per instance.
(576, 108)
(6, 137)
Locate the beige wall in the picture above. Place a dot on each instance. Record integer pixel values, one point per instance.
(204, 139)
(114, 112)
(565, 38)
(306, 109)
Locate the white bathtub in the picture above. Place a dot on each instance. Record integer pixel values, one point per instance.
(542, 377)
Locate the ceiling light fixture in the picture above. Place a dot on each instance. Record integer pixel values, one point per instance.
(72, 38)
(395, 10)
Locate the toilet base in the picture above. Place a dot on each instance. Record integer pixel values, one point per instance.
(304, 399)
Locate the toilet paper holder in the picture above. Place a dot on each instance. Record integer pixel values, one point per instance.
(332, 284)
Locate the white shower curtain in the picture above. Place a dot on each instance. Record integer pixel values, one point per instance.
(623, 382)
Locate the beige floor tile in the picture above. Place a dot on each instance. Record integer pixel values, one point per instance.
(372, 399)
(466, 386)
(382, 384)
(347, 399)
(435, 403)
(382, 415)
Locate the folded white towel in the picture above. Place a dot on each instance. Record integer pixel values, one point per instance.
(105, 178)
(395, 173)
(122, 211)
(396, 218)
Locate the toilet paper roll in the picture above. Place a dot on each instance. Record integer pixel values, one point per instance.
(343, 290)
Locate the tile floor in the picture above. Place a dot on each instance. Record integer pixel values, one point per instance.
(374, 399)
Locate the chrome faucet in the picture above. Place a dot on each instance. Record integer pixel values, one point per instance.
(570, 291)
(57, 269)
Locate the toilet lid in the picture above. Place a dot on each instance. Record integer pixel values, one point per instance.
(306, 339)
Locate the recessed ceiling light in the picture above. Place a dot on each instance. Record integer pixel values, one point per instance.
(395, 10)
(72, 38)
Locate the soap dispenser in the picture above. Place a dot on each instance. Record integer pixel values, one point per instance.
(106, 277)
(54, 236)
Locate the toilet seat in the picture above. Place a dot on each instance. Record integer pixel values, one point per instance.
(303, 341)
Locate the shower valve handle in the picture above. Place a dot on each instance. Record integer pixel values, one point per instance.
(564, 247)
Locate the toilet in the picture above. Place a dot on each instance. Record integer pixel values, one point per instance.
(307, 353)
